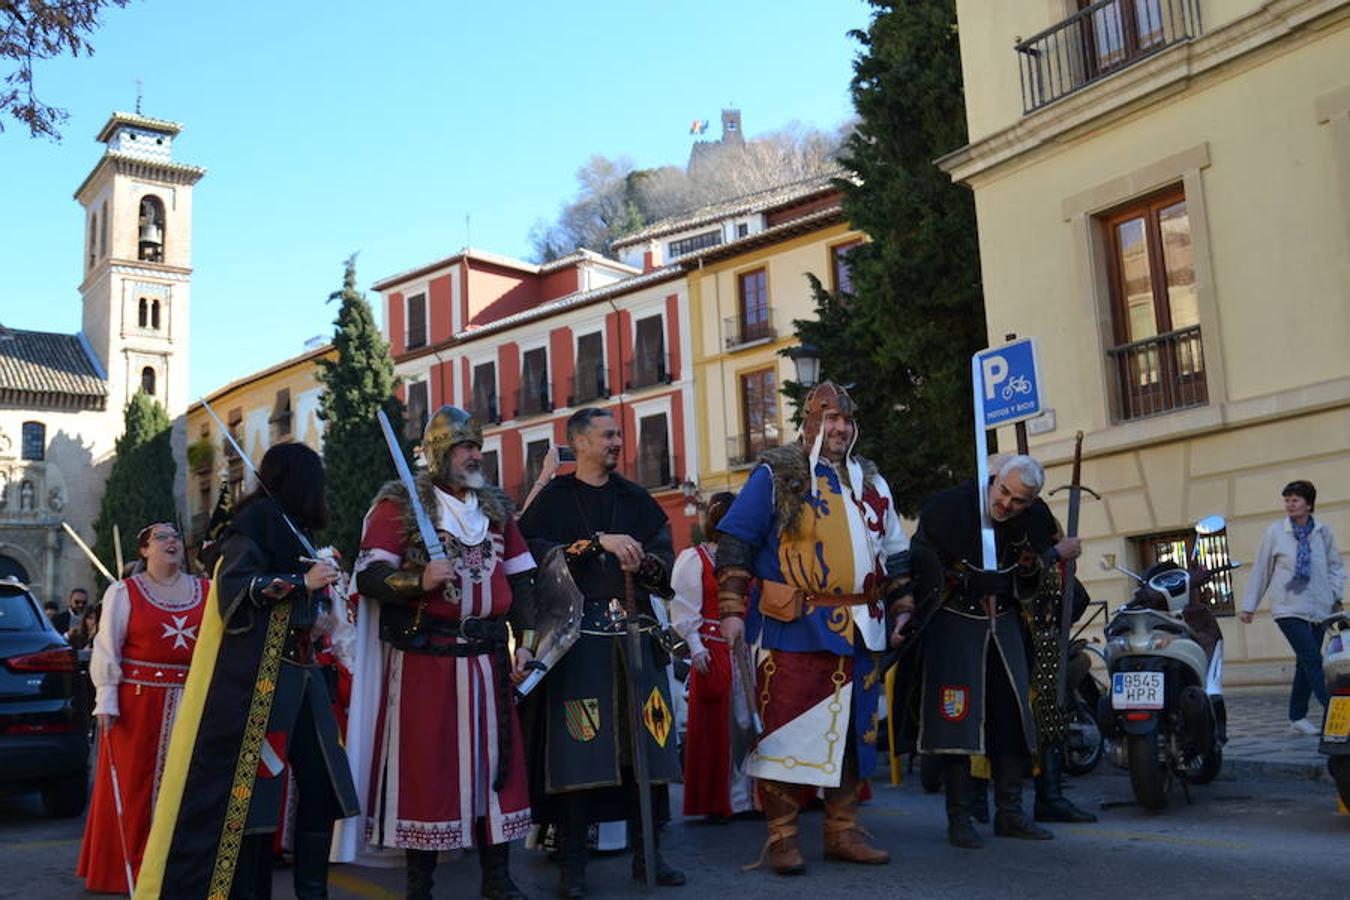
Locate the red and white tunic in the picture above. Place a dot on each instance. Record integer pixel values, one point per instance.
(436, 740)
(139, 666)
(715, 784)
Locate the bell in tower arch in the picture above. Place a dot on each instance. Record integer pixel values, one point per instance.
(151, 244)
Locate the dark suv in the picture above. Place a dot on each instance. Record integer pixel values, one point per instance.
(43, 727)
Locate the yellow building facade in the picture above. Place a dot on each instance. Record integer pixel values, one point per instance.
(743, 299)
(1163, 196)
(280, 404)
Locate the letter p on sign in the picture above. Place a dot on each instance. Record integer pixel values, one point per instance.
(995, 371)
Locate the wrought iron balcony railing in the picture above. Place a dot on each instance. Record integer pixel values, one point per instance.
(589, 383)
(1097, 41)
(534, 400)
(744, 449)
(643, 373)
(740, 332)
(1160, 374)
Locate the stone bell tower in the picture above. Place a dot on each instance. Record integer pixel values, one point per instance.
(137, 262)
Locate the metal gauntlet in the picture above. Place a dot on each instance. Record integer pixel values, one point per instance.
(382, 581)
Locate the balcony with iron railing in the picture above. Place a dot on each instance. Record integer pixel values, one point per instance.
(1159, 374)
(534, 400)
(741, 333)
(1097, 41)
(659, 471)
(647, 372)
(487, 412)
(744, 449)
(589, 384)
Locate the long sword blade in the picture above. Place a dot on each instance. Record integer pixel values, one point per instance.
(430, 539)
(248, 464)
(87, 552)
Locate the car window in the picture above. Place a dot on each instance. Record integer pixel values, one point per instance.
(17, 613)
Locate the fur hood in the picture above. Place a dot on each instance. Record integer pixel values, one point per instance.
(493, 501)
(788, 466)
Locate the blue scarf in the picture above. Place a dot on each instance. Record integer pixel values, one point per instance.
(1303, 560)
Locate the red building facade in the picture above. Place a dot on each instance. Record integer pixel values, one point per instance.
(525, 346)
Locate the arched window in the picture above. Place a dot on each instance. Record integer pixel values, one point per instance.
(93, 238)
(34, 441)
(103, 230)
(148, 380)
(143, 313)
(151, 242)
(154, 314)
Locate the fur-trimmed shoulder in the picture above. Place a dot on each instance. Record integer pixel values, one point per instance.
(788, 466)
(491, 500)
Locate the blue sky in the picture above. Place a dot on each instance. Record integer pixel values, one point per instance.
(333, 127)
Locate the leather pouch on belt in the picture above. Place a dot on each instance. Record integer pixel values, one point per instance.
(780, 601)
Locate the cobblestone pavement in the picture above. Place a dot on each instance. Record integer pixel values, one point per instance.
(1259, 739)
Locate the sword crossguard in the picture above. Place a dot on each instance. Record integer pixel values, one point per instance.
(1068, 487)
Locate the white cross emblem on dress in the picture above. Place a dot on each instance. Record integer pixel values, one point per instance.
(180, 631)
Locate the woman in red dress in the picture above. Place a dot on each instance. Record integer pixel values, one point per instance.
(145, 640)
(715, 785)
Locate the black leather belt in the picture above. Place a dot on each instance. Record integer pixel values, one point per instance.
(436, 637)
(973, 604)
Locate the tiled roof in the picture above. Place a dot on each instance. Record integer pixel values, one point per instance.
(124, 118)
(574, 258)
(805, 224)
(48, 368)
(760, 201)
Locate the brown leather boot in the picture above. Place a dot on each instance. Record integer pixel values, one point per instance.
(782, 849)
(845, 838)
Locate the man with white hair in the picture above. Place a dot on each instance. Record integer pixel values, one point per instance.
(974, 696)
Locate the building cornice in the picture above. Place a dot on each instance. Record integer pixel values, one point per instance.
(140, 167)
(1169, 72)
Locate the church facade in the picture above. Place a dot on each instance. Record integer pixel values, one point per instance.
(62, 396)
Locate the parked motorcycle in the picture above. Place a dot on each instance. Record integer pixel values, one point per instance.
(1336, 729)
(1165, 716)
(1084, 747)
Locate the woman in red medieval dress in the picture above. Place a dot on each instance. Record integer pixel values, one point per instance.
(139, 665)
(715, 784)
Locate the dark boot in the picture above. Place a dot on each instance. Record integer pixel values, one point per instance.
(960, 829)
(421, 865)
(572, 856)
(495, 862)
(979, 799)
(1009, 819)
(253, 869)
(311, 864)
(666, 875)
(1051, 804)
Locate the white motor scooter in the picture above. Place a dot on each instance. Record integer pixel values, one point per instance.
(1165, 715)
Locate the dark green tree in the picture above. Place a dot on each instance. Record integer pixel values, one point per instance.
(904, 338)
(359, 382)
(139, 490)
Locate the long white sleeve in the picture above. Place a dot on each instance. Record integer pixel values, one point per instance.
(1335, 567)
(105, 662)
(1262, 568)
(893, 539)
(686, 608)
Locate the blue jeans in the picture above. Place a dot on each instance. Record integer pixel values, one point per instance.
(1306, 639)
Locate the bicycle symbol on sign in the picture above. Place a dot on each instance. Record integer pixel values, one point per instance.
(1018, 385)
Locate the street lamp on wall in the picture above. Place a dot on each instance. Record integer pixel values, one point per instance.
(806, 357)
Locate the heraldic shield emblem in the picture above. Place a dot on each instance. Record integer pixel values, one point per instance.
(656, 717)
(583, 718)
(955, 702)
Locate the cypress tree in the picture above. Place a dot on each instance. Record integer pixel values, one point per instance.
(904, 339)
(357, 383)
(139, 490)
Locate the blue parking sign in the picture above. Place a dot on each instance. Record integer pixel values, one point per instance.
(1008, 386)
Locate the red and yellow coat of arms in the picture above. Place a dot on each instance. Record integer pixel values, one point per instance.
(955, 702)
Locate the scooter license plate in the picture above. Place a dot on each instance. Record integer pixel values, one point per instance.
(1137, 690)
(1337, 726)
